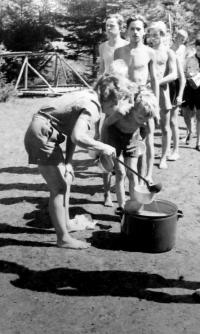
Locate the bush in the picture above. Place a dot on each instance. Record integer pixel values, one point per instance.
(7, 90)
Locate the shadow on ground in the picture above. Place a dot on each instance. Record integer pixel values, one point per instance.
(74, 282)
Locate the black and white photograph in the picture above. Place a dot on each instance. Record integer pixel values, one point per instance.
(99, 166)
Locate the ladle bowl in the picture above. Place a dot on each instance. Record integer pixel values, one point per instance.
(155, 188)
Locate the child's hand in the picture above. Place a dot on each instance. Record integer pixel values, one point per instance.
(109, 150)
(69, 173)
(178, 101)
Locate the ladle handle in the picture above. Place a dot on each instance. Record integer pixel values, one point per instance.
(133, 171)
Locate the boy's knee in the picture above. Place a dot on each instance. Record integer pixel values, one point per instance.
(173, 123)
(165, 130)
(130, 175)
(120, 174)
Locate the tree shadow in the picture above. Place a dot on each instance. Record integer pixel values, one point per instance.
(15, 200)
(81, 189)
(5, 242)
(9, 229)
(115, 283)
(86, 175)
(24, 186)
(82, 165)
(157, 145)
(87, 189)
(20, 170)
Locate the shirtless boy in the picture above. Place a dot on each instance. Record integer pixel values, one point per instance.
(114, 25)
(140, 60)
(71, 115)
(166, 70)
(127, 111)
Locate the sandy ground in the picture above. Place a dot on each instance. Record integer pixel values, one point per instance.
(107, 288)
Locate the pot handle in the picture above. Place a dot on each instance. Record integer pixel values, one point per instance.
(180, 214)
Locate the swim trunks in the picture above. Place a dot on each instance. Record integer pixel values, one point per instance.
(191, 97)
(124, 143)
(174, 90)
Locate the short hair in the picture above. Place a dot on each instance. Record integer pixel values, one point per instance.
(134, 18)
(160, 26)
(119, 18)
(148, 101)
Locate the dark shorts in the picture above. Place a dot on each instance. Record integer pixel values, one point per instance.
(191, 97)
(124, 143)
(42, 142)
(174, 90)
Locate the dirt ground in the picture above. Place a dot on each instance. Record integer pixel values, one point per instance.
(106, 288)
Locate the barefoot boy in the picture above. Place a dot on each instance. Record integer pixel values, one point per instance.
(114, 25)
(126, 113)
(166, 70)
(140, 60)
(71, 115)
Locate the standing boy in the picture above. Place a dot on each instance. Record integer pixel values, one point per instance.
(166, 70)
(140, 60)
(114, 24)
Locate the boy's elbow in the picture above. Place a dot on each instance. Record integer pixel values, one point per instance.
(78, 138)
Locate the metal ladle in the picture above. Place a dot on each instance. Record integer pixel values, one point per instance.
(154, 188)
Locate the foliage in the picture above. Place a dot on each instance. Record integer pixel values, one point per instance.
(26, 25)
(7, 90)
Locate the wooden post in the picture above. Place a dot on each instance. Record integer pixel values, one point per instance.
(21, 71)
(64, 72)
(56, 71)
(26, 75)
(77, 74)
(41, 77)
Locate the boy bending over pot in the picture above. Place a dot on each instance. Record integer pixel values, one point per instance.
(127, 108)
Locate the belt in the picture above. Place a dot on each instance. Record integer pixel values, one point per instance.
(53, 120)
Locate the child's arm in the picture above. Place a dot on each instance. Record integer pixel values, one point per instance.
(172, 69)
(182, 81)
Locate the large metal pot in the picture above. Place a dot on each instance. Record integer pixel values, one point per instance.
(152, 229)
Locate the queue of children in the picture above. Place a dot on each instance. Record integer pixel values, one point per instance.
(163, 66)
(134, 83)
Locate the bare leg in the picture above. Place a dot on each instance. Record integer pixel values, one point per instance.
(120, 182)
(133, 179)
(165, 127)
(175, 133)
(107, 186)
(189, 116)
(150, 150)
(57, 187)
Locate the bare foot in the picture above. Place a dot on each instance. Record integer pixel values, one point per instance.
(108, 200)
(173, 157)
(73, 243)
(163, 164)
